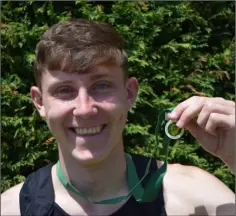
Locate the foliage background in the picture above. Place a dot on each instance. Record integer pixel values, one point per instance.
(176, 50)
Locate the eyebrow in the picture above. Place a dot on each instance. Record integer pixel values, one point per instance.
(58, 83)
(98, 76)
(62, 82)
(93, 77)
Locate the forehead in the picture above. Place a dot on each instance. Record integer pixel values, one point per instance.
(94, 73)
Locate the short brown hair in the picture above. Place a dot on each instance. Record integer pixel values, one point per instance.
(76, 45)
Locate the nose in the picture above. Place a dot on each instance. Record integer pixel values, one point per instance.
(84, 105)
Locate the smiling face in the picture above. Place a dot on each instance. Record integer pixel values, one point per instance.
(86, 112)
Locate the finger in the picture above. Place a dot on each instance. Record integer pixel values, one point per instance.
(193, 128)
(180, 108)
(212, 123)
(195, 105)
(189, 114)
(202, 136)
(213, 108)
(223, 101)
(217, 121)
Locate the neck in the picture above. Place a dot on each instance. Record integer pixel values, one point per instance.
(104, 180)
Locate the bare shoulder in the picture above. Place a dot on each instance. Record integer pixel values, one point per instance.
(198, 191)
(10, 201)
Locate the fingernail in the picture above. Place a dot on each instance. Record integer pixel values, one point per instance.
(179, 124)
(173, 115)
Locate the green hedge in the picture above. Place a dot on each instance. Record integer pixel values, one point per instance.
(176, 50)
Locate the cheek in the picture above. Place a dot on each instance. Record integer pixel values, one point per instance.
(118, 111)
(56, 113)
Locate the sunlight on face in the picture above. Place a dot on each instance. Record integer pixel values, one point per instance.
(78, 105)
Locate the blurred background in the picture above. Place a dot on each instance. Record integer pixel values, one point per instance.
(176, 50)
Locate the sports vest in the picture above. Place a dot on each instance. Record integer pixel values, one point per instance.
(37, 194)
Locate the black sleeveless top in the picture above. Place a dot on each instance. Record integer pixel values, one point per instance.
(37, 195)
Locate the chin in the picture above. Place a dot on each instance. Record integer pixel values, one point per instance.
(88, 157)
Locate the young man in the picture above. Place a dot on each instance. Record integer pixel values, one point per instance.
(84, 92)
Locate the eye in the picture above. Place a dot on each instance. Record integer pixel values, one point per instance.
(64, 91)
(102, 85)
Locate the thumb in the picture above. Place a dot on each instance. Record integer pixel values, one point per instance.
(199, 133)
(204, 138)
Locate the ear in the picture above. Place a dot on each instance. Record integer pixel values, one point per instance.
(132, 91)
(36, 96)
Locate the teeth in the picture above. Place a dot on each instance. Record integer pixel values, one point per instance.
(94, 130)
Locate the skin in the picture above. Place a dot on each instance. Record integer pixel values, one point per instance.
(214, 127)
(87, 100)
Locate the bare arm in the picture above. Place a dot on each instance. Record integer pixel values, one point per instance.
(217, 198)
(192, 191)
(10, 201)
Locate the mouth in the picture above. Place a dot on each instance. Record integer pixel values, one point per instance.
(92, 131)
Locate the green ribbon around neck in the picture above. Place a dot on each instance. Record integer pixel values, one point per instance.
(140, 193)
